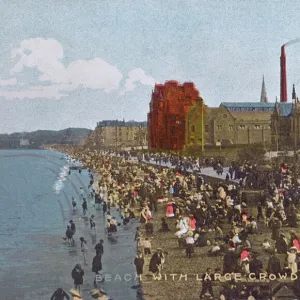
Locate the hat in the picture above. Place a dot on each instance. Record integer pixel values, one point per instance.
(96, 292)
(293, 248)
(159, 249)
(190, 233)
(75, 293)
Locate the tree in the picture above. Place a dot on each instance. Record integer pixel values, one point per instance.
(253, 153)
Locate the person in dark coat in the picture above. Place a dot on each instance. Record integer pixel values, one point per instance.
(73, 227)
(230, 262)
(281, 245)
(139, 263)
(274, 266)
(230, 291)
(96, 266)
(176, 188)
(84, 206)
(292, 216)
(77, 275)
(255, 265)
(155, 263)
(60, 294)
(69, 236)
(164, 225)
(149, 228)
(201, 241)
(104, 207)
(276, 224)
(207, 284)
(92, 222)
(99, 248)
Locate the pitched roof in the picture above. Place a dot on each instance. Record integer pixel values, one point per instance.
(247, 104)
(285, 109)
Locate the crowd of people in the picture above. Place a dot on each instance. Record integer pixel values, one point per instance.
(200, 214)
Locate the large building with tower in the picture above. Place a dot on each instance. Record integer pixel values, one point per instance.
(286, 124)
(232, 123)
(170, 103)
(179, 119)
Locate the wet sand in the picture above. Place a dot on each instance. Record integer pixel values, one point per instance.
(36, 262)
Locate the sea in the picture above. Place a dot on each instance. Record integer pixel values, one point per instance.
(35, 208)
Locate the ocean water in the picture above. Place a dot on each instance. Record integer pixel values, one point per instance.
(34, 213)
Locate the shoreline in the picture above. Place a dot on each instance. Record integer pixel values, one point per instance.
(97, 176)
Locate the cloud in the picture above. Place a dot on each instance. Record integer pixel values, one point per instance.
(134, 76)
(46, 56)
(11, 81)
(49, 92)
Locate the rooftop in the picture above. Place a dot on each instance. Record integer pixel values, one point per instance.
(248, 104)
(285, 109)
(115, 123)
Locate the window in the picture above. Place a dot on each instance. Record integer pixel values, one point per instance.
(230, 127)
(206, 128)
(219, 127)
(242, 127)
(192, 128)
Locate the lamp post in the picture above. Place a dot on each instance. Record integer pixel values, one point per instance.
(202, 125)
(294, 97)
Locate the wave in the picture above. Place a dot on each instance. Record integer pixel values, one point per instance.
(59, 183)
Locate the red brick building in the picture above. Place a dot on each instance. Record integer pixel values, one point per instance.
(169, 105)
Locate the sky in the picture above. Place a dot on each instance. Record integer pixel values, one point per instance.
(73, 63)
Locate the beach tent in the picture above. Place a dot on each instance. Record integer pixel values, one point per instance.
(285, 294)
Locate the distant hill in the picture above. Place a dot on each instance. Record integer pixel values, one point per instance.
(35, 139)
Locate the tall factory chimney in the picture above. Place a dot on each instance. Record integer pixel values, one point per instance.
(283, 87)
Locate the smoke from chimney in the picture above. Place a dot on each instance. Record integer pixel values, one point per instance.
(292, 42)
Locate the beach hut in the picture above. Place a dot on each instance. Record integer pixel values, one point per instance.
(284, 293)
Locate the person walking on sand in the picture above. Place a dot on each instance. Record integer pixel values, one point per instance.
(84, 206)
(69, 235)
(207, 285)
(155, 264)
(77, 275)
(73, 227)
(59, 294)
(81, 191)
(84, 248)
(139, 263)
(92, 222)
(99, 248)
(104, 207)
(96, 267)
(74, 204)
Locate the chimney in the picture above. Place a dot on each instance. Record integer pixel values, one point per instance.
(283, 87)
